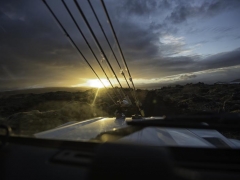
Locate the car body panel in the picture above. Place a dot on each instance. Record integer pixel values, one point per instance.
(156, 136)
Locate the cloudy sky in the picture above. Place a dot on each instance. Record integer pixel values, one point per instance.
(164, 42)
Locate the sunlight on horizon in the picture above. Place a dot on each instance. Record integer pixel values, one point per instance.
(96, 83)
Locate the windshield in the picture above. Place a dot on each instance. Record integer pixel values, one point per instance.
(63, 62)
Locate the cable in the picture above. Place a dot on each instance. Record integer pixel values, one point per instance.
(123, 58)
(111, 75)
(107, 41)
(119, 47)
(65, 5)
(97, 43)
(64, 30)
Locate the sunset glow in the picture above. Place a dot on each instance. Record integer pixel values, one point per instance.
(96, 83)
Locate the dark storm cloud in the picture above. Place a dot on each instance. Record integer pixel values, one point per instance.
(138, 41)
(24, 37)
(144, 7)
(142, 44)
(225, 59)
(167, 66)
(34, 49)
(186, 64)
(31, 34)
(185, 9)
(180, 10)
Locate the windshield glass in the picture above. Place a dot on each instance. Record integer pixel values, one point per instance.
(63, 62)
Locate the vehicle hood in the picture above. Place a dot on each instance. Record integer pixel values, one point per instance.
(156, 136)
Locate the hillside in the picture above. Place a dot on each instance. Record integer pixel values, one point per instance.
(193, 99)
(42, 90)
(28, 113)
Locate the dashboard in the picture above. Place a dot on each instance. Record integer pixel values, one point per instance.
(32, 158)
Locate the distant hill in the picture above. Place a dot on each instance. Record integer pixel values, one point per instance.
(44, 90)
(236, 80)
(220, 82)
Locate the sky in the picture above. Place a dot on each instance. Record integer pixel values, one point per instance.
(164, 42)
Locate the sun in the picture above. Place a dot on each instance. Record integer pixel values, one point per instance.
(97, 84)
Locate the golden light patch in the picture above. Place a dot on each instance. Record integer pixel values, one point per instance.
(97, 84)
